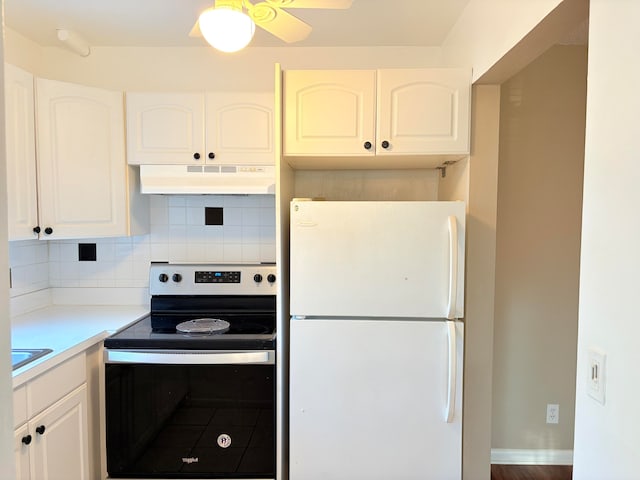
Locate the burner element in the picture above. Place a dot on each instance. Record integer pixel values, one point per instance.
(209, 326)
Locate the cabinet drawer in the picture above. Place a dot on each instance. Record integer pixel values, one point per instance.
(20, 414)
(55, 384)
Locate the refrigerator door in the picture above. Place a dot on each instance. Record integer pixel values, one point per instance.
(369, 400)
(377, 259)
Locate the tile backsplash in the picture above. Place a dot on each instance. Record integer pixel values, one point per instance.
(177, 234)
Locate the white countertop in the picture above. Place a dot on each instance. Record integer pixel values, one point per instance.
(67, 330)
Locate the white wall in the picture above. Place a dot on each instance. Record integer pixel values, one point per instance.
(606, 436)
(200, 68)
(488, 29)
(7, 458)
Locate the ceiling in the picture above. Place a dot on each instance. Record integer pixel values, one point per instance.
(161, 23)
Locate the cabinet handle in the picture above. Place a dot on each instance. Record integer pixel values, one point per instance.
(40, 430)
(36, 229)
(26, 439)
(48, 230)
(196, 156)
(367, 145)
(385, 144)
(212, 155)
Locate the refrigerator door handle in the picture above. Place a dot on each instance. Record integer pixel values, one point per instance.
(452, 376)
(453, 267)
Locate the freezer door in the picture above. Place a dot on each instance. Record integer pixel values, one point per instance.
(369, 400)
(380, 259)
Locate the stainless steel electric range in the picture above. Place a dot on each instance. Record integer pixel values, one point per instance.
(190, 389)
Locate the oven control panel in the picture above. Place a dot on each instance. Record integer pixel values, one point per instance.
(217, 277)
(207, 279)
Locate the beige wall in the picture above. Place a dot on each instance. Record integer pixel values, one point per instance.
(479, 290)
(542, 120)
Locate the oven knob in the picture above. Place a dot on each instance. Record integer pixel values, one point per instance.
(257, 278)
(176, 277)
(163, 277)
(271, 278)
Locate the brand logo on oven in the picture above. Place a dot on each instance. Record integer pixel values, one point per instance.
(190, 460)
(224, 440)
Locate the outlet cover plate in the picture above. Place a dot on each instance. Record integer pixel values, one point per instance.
(553, 413)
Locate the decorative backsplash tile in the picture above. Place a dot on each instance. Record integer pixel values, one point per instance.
(177, 234)
(29, 264)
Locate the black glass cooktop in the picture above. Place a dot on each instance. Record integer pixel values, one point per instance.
(251, 324)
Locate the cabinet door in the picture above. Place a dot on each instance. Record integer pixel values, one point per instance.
(61, 451)
(329, 112)
(423, 111)
(165, 128)
(21, 154)
(239, 128)
(82, 169)
(22, 449)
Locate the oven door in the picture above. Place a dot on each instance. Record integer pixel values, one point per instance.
(190, 414)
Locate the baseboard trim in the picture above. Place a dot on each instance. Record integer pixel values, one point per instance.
(508, 456)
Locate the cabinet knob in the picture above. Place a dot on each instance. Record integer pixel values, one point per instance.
(48, 230)
(385, 144)
(367, 145)
(36, 230)
(40, 429)
(26, 439)
(212, 155)
(196, 156)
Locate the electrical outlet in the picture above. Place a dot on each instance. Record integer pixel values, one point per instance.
(553, 413)
(596, 368)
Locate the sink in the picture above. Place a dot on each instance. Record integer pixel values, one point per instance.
(21, 356)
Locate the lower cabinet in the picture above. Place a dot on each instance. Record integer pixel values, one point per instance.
(53, 442)
(22, 443)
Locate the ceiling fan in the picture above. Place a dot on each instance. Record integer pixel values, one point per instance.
(267, 14)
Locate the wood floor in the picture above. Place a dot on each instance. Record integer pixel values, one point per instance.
(531, 472)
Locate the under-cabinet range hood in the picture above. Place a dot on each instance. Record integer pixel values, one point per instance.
(207, 179)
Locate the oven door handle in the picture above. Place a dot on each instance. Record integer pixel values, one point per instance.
(188, 358)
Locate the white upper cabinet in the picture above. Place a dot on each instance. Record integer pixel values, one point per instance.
(376, 113)
(423, 111)
(329, 112)
(239, 128)
(165, 128)
(83, 180)
(21, 154)
(193, 128)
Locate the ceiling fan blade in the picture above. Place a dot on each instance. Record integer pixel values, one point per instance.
(279, 23)
(334, 4)
(195, 30)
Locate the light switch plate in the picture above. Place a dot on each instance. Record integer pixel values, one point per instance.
(597, 374)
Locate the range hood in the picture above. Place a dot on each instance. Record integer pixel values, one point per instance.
(208, 179)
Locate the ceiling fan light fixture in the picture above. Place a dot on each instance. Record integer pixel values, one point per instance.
(226, 29)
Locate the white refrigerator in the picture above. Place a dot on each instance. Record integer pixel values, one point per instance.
(376, 344)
